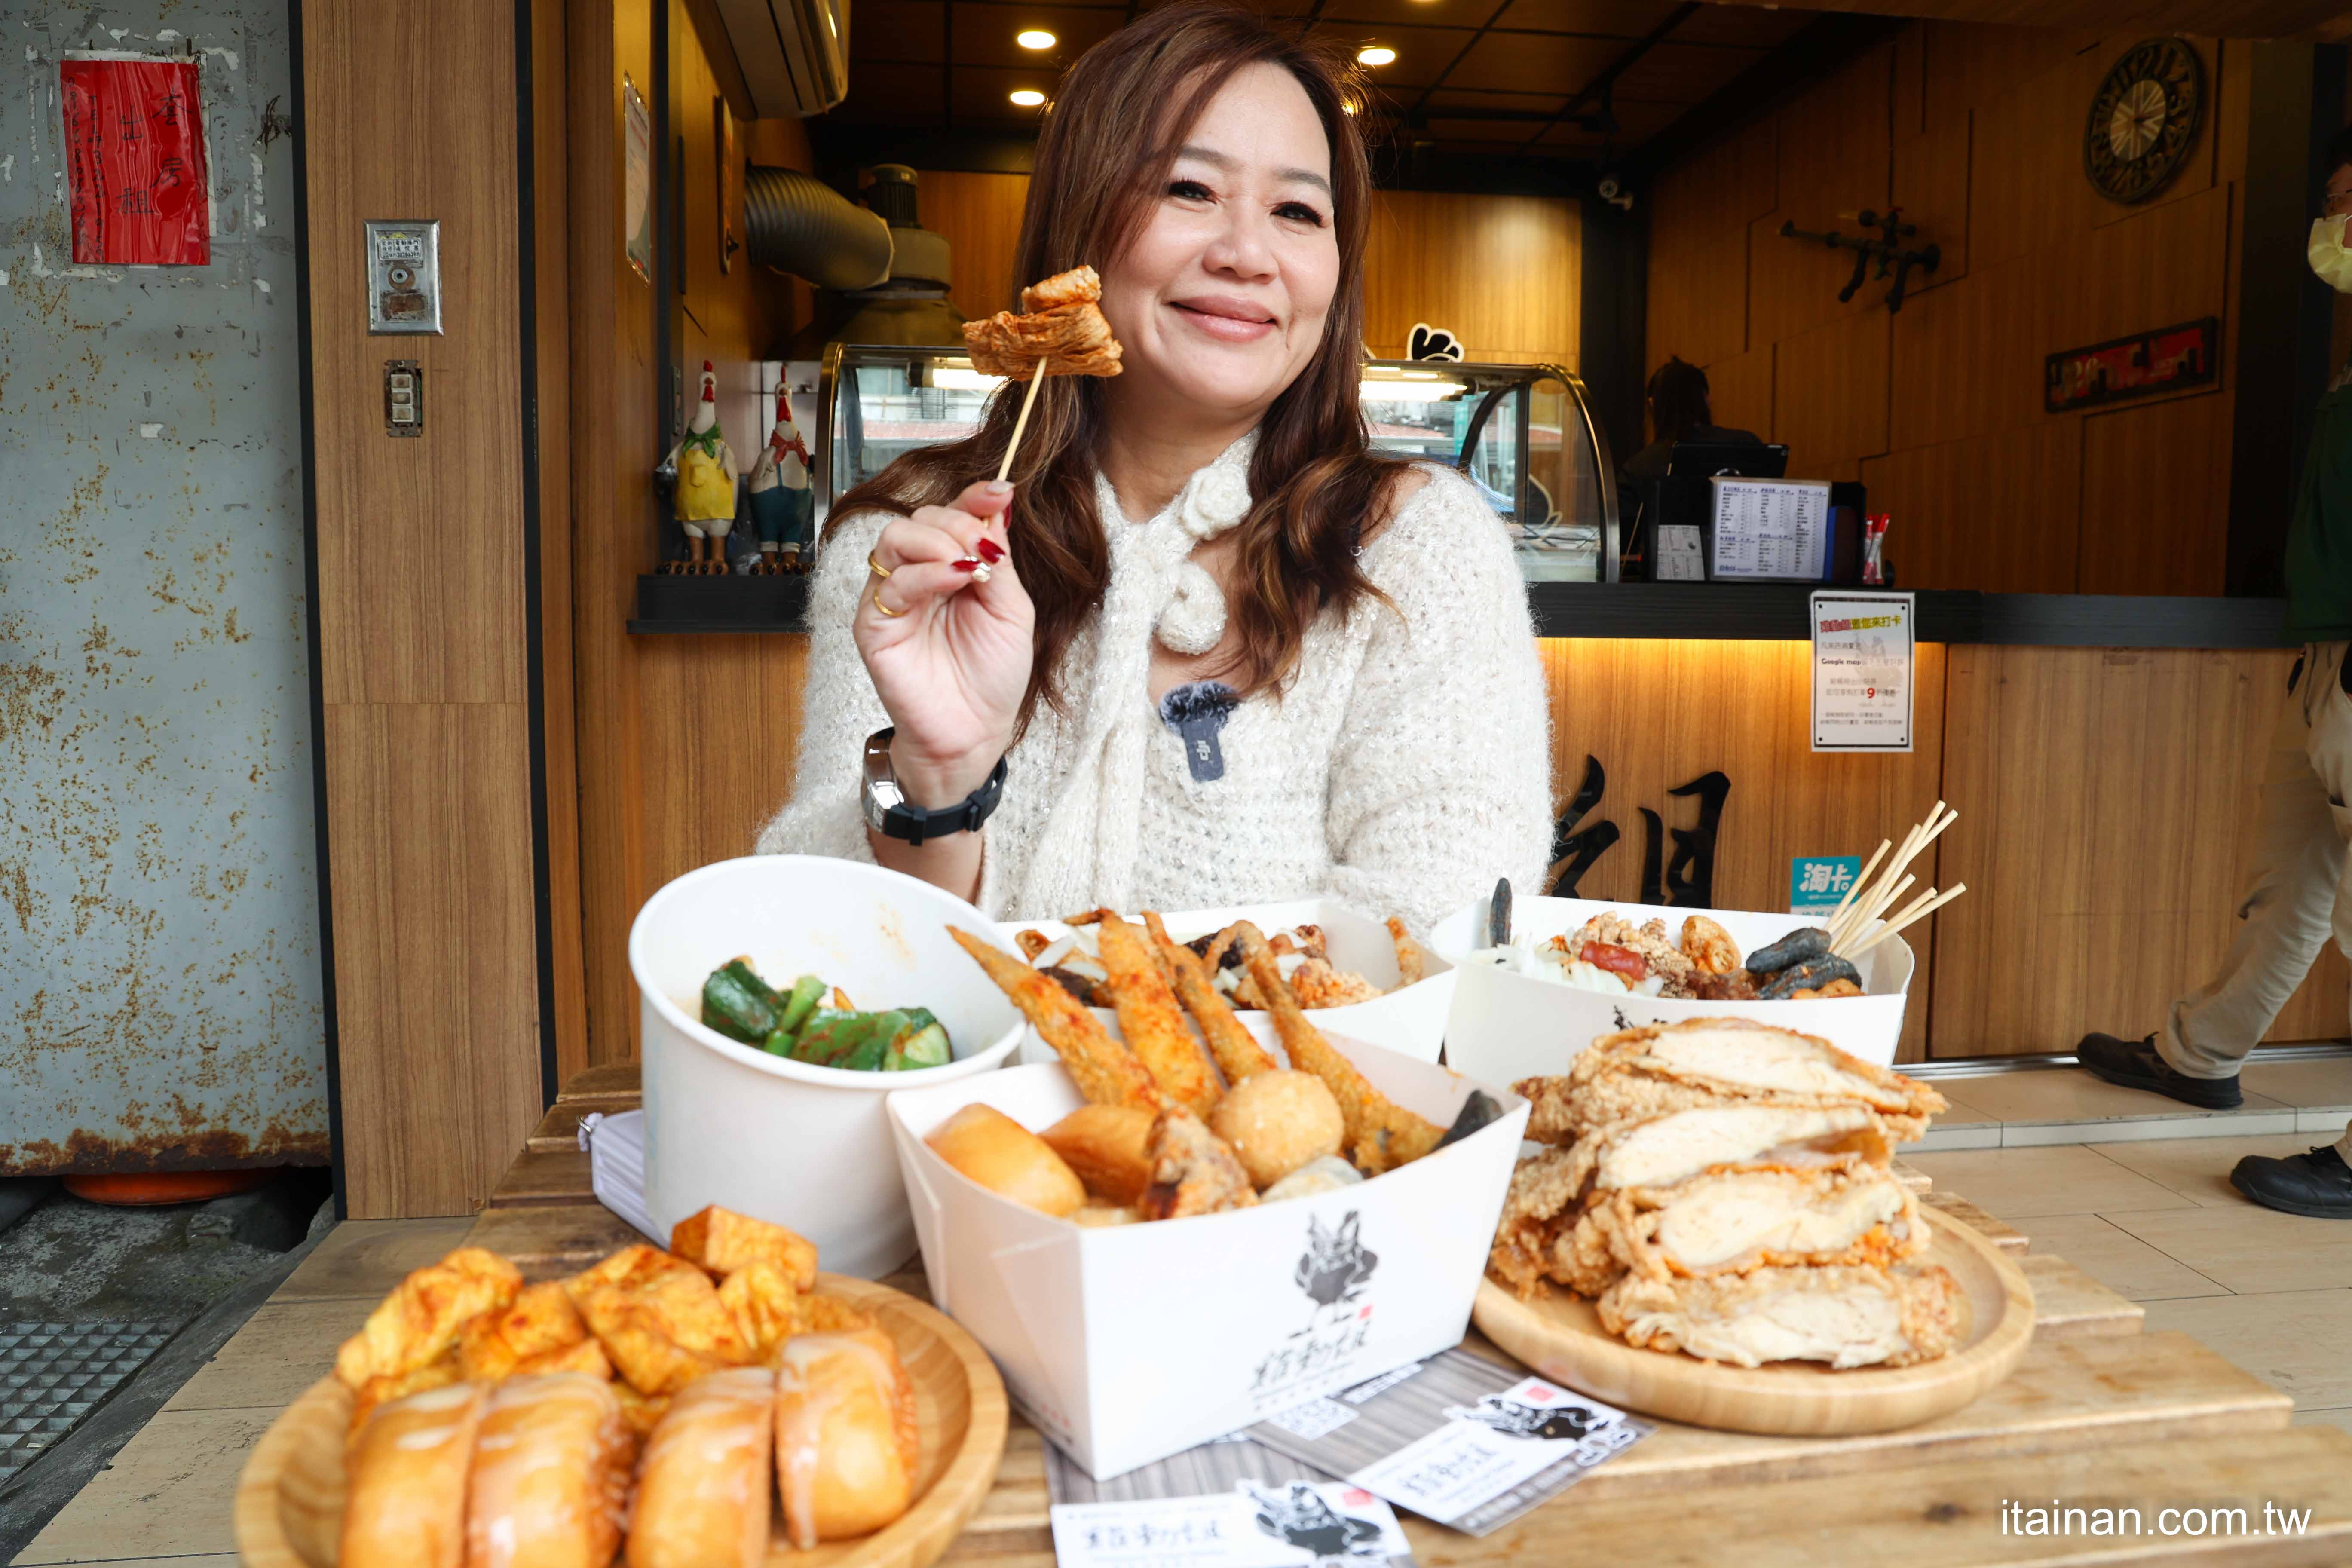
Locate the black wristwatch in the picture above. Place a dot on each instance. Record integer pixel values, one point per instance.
(887, 813)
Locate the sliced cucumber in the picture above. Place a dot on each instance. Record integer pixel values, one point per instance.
(867, 1056)
(798, 1004)
(739, 1004)
(831, 1036)
(923, 1043)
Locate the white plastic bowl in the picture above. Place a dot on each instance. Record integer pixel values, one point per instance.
(807, 1147)
(1504, 1026)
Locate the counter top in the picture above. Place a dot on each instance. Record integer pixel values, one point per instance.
(707, 606)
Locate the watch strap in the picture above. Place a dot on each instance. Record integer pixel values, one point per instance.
(918, 826)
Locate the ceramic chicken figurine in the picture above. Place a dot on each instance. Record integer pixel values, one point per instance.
(705, 499)
(781, 497)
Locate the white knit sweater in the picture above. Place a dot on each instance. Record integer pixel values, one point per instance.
(1403, 768)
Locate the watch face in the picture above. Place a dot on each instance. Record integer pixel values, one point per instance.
(2144, 120)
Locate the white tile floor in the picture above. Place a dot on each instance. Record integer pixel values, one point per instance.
(2055, 1106)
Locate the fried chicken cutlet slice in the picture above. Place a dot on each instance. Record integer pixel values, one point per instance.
(1846, 1317)
(1741, 1057)
(1664, 1150)
(1542, 1202)
(1738, 1219)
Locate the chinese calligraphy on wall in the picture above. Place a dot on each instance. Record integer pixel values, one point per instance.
(134, 136)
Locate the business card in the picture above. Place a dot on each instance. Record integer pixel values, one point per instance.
(1257, 1524)
(1461, 1441)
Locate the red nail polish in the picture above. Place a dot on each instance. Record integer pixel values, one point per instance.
(989, 550)
(967, 564)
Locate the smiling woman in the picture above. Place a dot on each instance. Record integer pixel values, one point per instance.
(1207, 648)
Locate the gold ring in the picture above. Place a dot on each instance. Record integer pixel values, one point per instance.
(879, 569)
(885, 610)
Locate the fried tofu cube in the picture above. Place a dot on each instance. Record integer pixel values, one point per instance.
(831, 1315)
(765, 1305)
(541, 1320)
(381, 1390)
(419, 1322)
(658, 1317)
(722, 1242)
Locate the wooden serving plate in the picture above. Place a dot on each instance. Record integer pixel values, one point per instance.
(289, 1501)
(1559, 1335)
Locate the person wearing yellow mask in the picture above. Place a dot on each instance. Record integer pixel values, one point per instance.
(2301, 890)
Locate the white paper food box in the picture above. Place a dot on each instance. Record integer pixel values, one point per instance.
(1127, 1343)
(1504, 1026)
(1411, 1021)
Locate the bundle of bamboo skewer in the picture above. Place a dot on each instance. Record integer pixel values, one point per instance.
(1866, 903)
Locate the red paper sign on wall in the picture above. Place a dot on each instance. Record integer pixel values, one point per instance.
(135, 161)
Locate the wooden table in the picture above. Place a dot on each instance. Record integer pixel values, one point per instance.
(2100, 1413)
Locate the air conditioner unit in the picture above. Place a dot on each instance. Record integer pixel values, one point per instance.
(795, 53)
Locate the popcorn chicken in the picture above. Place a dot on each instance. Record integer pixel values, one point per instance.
(540, 1322)
(722, 1242)
(381, 1390)
(765, 1304)
(587, 1356)
(659, 1319)
(419, 1322)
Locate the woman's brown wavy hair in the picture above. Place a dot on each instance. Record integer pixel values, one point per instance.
(1315, 482)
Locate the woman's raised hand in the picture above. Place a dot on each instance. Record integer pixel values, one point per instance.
(946, 639)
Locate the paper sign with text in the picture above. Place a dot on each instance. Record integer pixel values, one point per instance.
(1257, 1524)
(136, 174)
(1862, 661)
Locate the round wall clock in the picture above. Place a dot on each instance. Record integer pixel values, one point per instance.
(2144, 120)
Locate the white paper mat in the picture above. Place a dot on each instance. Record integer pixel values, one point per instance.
(617, 1159)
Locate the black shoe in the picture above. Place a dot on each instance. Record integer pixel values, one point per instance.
(2317, 1185)
(2134, 1064)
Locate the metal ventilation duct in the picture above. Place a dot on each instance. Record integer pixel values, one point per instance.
(798, 224)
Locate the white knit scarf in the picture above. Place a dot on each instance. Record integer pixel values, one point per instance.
(1086, 856)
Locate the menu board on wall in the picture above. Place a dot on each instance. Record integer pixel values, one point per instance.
(1771, 530)
(1862, 671)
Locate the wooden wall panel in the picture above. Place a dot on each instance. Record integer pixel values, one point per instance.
(1997, 511)
(1658, 714)
(435, 995)
(709, 798)
(1502, 272)
(422, 631)
(1829, 395)
(1739, 392)
(2154, 477)
(1975, 132)
(981, 216)
(2087, 837)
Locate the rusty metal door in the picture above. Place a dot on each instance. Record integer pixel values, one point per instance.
(159, 977)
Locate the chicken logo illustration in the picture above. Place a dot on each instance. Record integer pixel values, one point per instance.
(1561, 1423)
(1301, 1518)
(1337, 1266)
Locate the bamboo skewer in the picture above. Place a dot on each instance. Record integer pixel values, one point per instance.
(1914, 843)
(1917, 912)
(1846, 903)
(1021, 424)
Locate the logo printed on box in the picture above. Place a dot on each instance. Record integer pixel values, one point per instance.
(1334, 1272)
(1303, 1519)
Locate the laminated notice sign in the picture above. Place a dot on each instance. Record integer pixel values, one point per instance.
(1863, 662)
(135, 168)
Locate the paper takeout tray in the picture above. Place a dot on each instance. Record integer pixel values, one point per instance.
(1129, 1344)
(1411, 1021)
(1504, 1026)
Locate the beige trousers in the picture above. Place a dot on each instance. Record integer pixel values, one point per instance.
(2298, 895)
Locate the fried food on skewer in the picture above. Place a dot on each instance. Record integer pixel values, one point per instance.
(1381, 1134)
(1150, 1020)
(1105, 1071)
(1236, 1050)
(1078, 285)
(1411, 963)
(1062, 330)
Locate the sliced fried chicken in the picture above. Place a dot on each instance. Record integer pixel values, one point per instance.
(1846, 1317)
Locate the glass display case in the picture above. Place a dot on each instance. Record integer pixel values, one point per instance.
(1522, 433)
